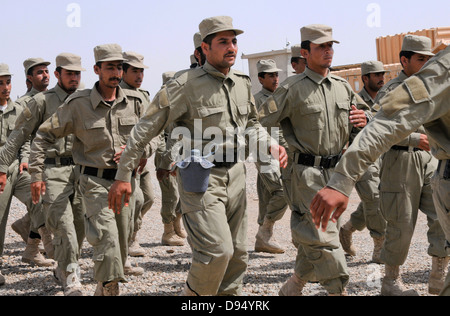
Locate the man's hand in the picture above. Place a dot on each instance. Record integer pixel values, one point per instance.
(279, 152)
(324, 204)
(3, 180)
(424, 143)
(119, 154)
(358, 117)
(23, 167)
(142, 164)
(37, 189)
(162, 174)
(116, 194)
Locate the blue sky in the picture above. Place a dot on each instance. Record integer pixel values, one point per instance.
(162, 31)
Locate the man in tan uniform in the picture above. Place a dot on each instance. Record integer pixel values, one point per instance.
(62, 202)
(101, 120)
(133, 76)
(406, 173)
(272, 202)
(16, 184)
(314, 110)
(421, 100)
(214, 96)
(298, 62)
(368, 213)
(37, 73)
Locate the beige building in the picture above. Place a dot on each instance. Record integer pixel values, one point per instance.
(388, 50)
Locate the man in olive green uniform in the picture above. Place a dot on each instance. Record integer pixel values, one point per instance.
(405, 187)
(272, 203)
(37, 73)
(318, 113)
(62, 202)
(421, 100)
(101, 120)
(298, 62)
(16, 184)
(368, 213)
(214, 96)
(133, 76)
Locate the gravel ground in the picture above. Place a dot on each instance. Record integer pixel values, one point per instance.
(166, 267)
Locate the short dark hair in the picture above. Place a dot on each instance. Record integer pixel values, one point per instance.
(406, 54)
(208, 39)
(59, 69)
(125, 67)
(295, 60)
(262, 74)
(306, 45)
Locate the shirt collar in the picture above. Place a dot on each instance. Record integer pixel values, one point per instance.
(62, 95)
(97, 99)
(314, 76)
(217, 74)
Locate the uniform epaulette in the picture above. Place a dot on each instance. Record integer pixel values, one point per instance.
(241, 74)
(133, 94)
(293, 80)
(79, 94)
(338, 78)
(189, 75)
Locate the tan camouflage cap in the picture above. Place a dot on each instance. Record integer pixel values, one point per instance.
(317, 34)
(197, 40)
(33, 62)
(372, 67)
(267, 66)
(135, 60)
(69, 62)
(297, 51)
(417, 44)
(217, 24)
(4, 70)
(167, 76)
(108, 52)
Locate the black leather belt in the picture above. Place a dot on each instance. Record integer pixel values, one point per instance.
(314, 161)
(404, 148)
(224, 163)
(107, 174)
(60, 161)
(444, 169)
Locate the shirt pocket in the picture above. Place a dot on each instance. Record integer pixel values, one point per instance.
(343, 113)
(95, 134)
(312, 117)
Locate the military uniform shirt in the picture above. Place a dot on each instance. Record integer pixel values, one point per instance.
(422, 99)
(100, 129)
(37, 111)
(217, 101)
(315, 110)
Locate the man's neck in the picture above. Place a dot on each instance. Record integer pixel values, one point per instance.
(107, 93)
(373, 94)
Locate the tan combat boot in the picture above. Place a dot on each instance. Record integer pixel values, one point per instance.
(170, 237)
(345, 235)
(178, 227)
(32, 255)
(293, 287)
(110, 289)
(130, 270)
(22, 227)
(378, 246)
(47, 240)
(264, 241)
(437, 275)
(70, 281)
(393, 285)
(134, 249)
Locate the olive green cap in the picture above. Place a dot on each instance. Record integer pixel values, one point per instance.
(297, 51)
(108, 52)
(216, 25)
(69, 62)
(417, 44)
(197, 40)
(134, 59)
(372, 67)
(267, 66)
(317, 34)
(4, 70)
(33, 62)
